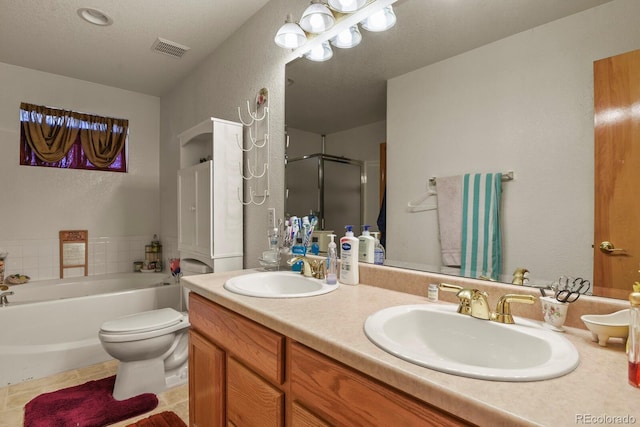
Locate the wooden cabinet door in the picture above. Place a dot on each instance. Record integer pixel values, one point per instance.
(252, 401)
(206, 383)
(617, 173)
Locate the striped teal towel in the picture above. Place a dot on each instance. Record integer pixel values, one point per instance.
(481, 238)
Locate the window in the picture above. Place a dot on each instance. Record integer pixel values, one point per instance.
(53, 137)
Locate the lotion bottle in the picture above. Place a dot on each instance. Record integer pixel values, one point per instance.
(332, 262)
(367, 246)
(349, 258)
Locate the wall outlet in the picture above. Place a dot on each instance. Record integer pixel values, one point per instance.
(271, 218)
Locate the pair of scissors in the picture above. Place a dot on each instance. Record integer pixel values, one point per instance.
(570, 290)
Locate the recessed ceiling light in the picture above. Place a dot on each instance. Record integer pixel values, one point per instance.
(95, 16)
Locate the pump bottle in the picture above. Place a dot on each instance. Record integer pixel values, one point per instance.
(332, 262)
(349, 258)
(367, 246)
(378, 251)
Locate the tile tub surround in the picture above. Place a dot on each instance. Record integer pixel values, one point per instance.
(40, 258)
(332, 324)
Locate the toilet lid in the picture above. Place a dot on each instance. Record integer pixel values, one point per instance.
(142, 322)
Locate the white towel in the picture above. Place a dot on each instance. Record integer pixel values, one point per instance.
(450, 219)
(481, 237)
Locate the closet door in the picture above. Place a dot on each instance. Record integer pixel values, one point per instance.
(617, 174)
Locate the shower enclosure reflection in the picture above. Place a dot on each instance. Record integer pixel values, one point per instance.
(330, 186)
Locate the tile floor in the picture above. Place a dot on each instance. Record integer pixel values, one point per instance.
(14, 397)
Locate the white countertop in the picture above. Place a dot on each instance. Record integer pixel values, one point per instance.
(333, 324)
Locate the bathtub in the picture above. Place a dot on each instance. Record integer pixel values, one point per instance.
(51, 326)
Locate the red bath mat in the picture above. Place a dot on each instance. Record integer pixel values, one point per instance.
(86, 405)
(163, 419)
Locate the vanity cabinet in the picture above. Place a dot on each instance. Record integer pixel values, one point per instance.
(249, 375)
(210, 210)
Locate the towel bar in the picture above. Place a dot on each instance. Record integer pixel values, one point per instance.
(508, 176)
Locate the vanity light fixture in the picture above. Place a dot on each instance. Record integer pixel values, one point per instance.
(95, 16)
(340, 26)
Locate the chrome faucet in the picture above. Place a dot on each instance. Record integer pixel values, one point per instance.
(3, 297)
(310, 267)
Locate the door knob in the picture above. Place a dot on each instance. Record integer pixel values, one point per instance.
(607, 247)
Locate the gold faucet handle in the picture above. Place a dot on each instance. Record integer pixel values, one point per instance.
(464, 295)
(319, 269)
(449, 288)
(4, 288)
(503, 308)
(480, 305)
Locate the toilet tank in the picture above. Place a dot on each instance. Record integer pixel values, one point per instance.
(191, 267)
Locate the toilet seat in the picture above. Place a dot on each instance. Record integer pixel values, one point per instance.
(143, 322)
(143, 325)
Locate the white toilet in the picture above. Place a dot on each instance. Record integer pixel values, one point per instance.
(152, 347)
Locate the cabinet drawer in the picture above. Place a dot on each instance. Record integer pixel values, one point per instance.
(258, 347)
(344, 396)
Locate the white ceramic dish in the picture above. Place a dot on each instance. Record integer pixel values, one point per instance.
(605, 326)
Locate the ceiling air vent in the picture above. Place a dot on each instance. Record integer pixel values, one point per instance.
(168, 47)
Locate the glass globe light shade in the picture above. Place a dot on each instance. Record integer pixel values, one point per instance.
(320, 53)
(348, 38)
(346, 6)
(380, 21)
(317, 18)
(290, 36)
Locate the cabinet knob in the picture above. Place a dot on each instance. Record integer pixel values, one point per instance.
(193, 208)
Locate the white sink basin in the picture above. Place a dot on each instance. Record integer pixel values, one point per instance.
(278, 284)
(437, 337)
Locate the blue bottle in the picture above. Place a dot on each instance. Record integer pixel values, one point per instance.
(315, 247)
(298, 250)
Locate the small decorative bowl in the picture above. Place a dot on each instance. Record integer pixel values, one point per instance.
(16, 279)
(605, 326)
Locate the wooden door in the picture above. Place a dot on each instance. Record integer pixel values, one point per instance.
(617, 174)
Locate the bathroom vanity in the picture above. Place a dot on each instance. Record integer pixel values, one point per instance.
(307, 361)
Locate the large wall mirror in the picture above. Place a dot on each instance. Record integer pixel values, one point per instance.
(462, 87)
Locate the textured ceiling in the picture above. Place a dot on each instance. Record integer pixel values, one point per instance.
(349, 90)
(48, 35)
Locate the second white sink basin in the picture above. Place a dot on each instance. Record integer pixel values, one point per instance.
(437, 337)
(277, 284)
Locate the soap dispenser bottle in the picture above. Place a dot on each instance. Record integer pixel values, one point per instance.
(378, 250)
(367, 246)
(332, 262)
(633, 341)
(349, 258)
